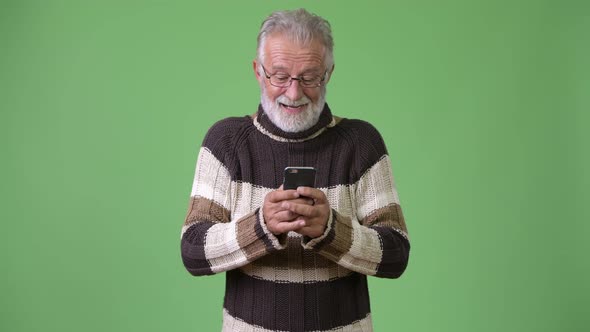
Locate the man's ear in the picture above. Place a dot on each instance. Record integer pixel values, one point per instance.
(330, 73)
(256, 72)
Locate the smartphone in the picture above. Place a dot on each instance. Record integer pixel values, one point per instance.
(298, 177)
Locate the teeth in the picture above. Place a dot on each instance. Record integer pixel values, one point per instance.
(297, 107)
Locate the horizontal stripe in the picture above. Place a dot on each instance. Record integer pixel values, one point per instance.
(216, 247)
(192, 248)
(389, 216)
(395, 253)
(306, 275)
(376, 189)
(246, 197)
(222, 248)
(203, 209)
(295, 265)
(232, 324)
(373, 250)
(365, 251)
(212, 179)
(252, 238)
(213, 193)
(296, 307)
(338, 239)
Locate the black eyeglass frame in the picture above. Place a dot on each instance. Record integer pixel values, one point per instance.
(291, 79)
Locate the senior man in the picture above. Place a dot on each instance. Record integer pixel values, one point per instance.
(295, 260)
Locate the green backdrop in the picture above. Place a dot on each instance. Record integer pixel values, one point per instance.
(482, 104)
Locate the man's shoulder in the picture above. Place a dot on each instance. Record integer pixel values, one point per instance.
(230, 124)
(358, 128)
(222, 134)
(228, 127)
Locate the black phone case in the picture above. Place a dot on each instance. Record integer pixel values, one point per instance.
(298, 177)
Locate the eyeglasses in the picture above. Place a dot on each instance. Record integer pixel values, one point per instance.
(284, 80)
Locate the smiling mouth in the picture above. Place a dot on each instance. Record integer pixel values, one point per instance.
(293, 107)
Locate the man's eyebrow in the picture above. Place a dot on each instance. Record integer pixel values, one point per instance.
(317, 71)
(313, 70)
(279, 67)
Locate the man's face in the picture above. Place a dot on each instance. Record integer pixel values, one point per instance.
(292, 108)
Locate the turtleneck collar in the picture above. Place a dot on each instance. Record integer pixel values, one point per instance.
(265, 125)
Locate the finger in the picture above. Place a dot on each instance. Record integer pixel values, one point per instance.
(276, 211)
(281, 195)
(317, 195)
(311, 231)
(303, 200)
(301, 209)
(287, 226)
(278, 207)
(285, 215)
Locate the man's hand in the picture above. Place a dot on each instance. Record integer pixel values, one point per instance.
(314, 217)
(278, 219)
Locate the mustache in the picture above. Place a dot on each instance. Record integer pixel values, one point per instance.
(282, 99)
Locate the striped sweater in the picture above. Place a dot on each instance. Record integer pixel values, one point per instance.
(294, 283)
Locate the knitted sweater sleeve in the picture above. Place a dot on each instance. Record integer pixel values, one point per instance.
(211, 240)
(373, 240)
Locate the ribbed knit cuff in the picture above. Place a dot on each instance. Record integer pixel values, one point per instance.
(318, 242)
(278, 242)
(338, 241)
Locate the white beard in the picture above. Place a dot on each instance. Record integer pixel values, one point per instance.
(292, 123)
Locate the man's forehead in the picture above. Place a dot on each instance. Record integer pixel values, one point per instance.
(293, 38)
(281, 51)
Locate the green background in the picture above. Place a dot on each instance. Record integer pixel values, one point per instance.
(482, 104)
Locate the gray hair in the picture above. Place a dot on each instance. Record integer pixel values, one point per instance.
(300, 26)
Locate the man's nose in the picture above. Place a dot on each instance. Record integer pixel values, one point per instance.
(294, 91)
